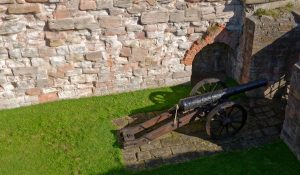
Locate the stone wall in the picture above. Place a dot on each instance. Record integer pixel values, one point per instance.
(291, 127)
(60, 49)
(271, 49)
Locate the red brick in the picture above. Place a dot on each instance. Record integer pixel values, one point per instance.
(33, 91)
(88, 5)
(200, 44)
(48, 97)
(24, 8)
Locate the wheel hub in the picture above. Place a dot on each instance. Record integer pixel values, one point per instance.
(226, 121)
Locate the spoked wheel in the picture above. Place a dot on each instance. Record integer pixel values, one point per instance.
(207, 85)
(225, 120)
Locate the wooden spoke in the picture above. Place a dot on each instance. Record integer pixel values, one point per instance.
(206, 86)
(231, 117)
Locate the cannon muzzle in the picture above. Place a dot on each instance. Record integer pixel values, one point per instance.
(211, 97)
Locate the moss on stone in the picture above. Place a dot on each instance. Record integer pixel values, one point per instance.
(275, 13)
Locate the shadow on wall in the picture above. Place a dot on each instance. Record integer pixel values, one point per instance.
(276, 46)
(213, 61)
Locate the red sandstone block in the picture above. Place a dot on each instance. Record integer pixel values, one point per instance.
(56, 39)
(35, 1)
(6, 1)
(46, 52)
(139, 54)
(61, 24)
(115, 31)
(57, 74)
(48, 97)
(55, 35)
(140, 35)
(150, 28)
(25, 8)
(190, 30)
(88, 5)
(64, 68)
(151, 2)
(61, 14)
(33, 91)
(193, 1)
(110, 22)
(94, 56)
(125, 52)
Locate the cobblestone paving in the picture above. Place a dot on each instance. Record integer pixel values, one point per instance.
(263, 126)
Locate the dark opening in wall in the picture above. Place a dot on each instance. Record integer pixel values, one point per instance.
(214, 60)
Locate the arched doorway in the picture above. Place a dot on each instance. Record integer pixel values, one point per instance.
(214, 60)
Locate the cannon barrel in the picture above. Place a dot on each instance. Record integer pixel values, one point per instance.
(211, 97)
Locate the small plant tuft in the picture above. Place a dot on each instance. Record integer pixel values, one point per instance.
(263, 12)
(275, 13)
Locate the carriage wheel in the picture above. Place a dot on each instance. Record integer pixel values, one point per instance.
(207, 85)
(225, 120)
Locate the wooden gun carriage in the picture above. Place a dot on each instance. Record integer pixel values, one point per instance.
(209, 98)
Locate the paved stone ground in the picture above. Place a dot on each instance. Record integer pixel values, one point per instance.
(263, 126)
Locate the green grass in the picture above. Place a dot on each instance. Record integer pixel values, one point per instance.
(74, 136)
(77, 137)
(270, 159)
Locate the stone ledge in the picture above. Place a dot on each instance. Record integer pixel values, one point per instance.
(271, 5)
(249, 2)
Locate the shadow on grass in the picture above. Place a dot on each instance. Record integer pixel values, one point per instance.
(165, 99)
(270, 159)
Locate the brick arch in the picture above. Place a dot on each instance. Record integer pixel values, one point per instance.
(217, 33)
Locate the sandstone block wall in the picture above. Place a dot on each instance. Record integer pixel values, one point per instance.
(60, 49)
(291, 127)
(271, 49)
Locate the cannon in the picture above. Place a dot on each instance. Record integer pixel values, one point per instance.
(209, 98)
